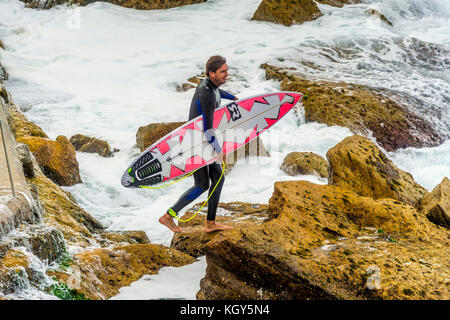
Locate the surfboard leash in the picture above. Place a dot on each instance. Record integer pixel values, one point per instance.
(173, 213)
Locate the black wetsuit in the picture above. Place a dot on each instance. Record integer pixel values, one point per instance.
(207, 97)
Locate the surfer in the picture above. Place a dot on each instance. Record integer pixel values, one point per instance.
(206, 98)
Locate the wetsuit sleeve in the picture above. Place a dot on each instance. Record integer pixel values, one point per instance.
(226, 95)
(207, 100)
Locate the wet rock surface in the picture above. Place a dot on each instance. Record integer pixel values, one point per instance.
(296, 163)
(56, 158)
(100, 273)
(287, 12)
(436, 204)
(236, 214)
(360, 108)
(84, 143)
(356, 163)
(327, 242)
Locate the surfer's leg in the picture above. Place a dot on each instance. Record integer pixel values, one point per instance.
(201, 185)
(215, 171)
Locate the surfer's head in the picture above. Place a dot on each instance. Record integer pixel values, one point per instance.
(217, 70)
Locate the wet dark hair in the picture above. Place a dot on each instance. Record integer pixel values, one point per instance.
(214, 63)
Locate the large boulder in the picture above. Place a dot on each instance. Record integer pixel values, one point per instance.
(57, 158)
(287, 12)
(327, 242)
(296, 163)
(436, 204)
(362, 109)
(356, 163)
(84, 143)
(100, 273)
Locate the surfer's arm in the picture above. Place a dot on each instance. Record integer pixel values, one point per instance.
(207, 102)
(226, 95)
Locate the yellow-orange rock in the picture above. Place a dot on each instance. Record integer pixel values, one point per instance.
(362, 109)
(327, 242)
(296, 163)
(20, 125)
(287, 12)
(436, 204)
(57, 158)
(358, 164)
(338, 3)
(100, 273)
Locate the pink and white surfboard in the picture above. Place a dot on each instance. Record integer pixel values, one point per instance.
(186, 149)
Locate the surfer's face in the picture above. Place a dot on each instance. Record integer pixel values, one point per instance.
(220, 76)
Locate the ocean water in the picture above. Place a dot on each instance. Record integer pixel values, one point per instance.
(104, 71)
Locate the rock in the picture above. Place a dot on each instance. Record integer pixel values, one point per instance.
(287, 12)
(297, 163)
(327, 242)
(57, 158)
(1, 45)
(436, 204)
(236, 214)
(338, 3)
(25, 156)
(360, 108)
(3, 93)
(192, 83)
(47, 243)
(14, 265)
(357, 164)
(126, 237)
(100, 273)
(92, 145)
(135, 4)
(377, 13)
(19, 124)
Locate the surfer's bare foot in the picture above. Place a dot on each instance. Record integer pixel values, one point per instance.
(167, 220)
(211, 226)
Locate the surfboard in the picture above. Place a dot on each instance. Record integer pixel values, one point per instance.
(186, 148)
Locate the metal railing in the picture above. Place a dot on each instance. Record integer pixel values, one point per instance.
(7, 158)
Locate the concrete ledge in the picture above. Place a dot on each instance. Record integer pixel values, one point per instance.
(13, 210)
